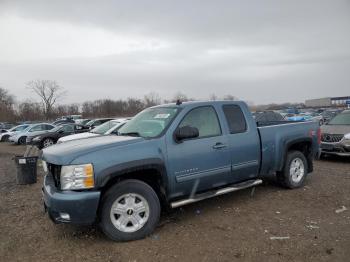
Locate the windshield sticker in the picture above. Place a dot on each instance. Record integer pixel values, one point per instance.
(162, 116)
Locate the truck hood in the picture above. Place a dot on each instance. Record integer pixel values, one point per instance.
(335, 129)
(65, 153)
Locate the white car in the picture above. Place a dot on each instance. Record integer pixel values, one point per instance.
(5, 136)
(104, 129)
(32, 130)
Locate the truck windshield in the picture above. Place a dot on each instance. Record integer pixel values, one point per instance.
(150, 122)
(341, 119)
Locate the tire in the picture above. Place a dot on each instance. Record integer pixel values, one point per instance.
(22, 140)
(131, 191)
(290, 177)
(47, 142)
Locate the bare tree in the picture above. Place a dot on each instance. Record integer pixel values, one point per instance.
(7, 102)
(152, 99)
(213, 97)
(49, 92)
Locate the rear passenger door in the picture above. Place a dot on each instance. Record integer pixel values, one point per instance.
(244, 144)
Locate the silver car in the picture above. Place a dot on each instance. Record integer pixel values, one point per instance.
(5, 136)
(335, 138)
(34, 129)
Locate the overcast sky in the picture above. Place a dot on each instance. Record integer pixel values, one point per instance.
(259, 51)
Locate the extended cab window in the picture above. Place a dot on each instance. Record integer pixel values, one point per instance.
(204, 119)
(235, 119)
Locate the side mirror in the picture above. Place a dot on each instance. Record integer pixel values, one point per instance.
(185, 132)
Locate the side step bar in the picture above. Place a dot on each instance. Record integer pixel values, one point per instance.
(218, 192)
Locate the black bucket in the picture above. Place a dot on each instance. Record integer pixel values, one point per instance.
(26, 169)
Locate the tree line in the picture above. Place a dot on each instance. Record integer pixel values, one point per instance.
(50, 94)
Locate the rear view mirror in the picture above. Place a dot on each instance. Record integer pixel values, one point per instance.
(185, 132)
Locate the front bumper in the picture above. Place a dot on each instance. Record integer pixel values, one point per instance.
(339, 149)
(80, 206)
(29, 140)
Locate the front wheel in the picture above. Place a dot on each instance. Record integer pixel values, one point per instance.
(22, 140)
(130, 211)
(5, 138)
(294, 171)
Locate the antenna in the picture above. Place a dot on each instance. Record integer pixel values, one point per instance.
(178, 102)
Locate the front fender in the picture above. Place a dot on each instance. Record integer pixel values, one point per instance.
(137, 165)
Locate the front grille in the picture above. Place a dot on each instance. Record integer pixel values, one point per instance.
(55, 171)
(330, 138)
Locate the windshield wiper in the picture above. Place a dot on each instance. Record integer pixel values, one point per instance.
(130, 134)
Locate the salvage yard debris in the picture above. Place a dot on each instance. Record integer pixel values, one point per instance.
(279, 238)
(340, 210)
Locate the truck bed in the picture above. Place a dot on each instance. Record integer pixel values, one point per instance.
(275, 138)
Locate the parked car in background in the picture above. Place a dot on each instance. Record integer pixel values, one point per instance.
(6, 125)
(5, 135)
(335, 139)
(313, 116)
(328, 115)
(104, 129)
(74, 117)
(267, 116)
(32, 130)
(96, 122)
(63, 121)
(51, 137)
(82, 121)
(169, 156)
(293, 117)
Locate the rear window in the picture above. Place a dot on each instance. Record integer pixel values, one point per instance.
(235, 119)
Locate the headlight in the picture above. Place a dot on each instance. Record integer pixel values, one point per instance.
(37, 138)
(77, 177)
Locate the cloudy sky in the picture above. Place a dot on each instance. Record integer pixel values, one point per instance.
(260, 51)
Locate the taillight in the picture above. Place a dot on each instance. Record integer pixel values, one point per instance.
(312, 133)
(319, 136)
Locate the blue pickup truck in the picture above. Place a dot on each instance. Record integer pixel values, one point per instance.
(168, 156)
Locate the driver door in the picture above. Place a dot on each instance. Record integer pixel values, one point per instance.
(200, 163)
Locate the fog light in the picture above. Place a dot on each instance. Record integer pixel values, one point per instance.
(65, 216)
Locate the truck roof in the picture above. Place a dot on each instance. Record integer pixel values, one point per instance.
(199, 103)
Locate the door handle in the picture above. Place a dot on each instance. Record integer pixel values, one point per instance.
(219, 145)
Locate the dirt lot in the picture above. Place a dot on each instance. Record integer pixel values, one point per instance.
(234, 227)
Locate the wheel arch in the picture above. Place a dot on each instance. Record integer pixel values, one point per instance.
(152, 172)
(303, 145)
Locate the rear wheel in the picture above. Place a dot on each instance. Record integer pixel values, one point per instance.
(130, 210)
(47, 142)
(294, 171)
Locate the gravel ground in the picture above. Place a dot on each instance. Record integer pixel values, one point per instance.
(236, 227)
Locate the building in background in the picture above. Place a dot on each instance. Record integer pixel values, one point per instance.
(328, 102)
